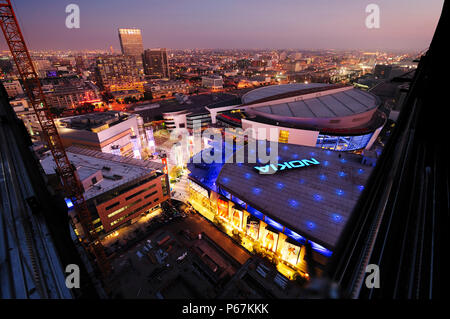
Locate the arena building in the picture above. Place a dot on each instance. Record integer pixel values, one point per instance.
(303, 206)
(336, 117)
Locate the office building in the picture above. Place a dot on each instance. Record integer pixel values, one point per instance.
(164, 88)
(109, 132)
(131, 42)
(70, 92)
(118, 72)
(156, 63)
(117, 190)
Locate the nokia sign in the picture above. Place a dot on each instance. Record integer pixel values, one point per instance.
(272, 168)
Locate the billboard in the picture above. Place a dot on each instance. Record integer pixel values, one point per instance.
(222, 208)
(270, 240)
(237, 218)
(253, 227)
(290, 253)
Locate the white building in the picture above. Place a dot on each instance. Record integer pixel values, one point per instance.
(112, 132)
(212, 82)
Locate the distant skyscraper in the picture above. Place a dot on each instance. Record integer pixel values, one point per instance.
(79, 63)
(131, 42)
(156, 63)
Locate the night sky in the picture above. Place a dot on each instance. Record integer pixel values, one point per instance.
(302, 24)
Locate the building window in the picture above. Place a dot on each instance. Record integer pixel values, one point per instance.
(343, 143)
(151, 194)
(111, 206)
(140, 192)
(123, 208)
(164, 185)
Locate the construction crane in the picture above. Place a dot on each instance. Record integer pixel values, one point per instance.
(71, 184)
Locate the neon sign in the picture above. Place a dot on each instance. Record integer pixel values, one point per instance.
(287, 165)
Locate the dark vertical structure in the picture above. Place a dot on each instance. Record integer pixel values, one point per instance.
(401, 220)
(71, 184)
(35, 239)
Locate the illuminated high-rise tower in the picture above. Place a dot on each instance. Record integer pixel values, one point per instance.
(131, 42)
(131, 45)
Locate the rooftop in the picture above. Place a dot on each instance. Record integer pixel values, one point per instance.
(93, 120)
(197, 105)
(268, 91)
(326, 104)
(116, 170)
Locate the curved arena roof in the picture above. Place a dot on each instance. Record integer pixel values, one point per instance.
(316, 104)
(273, 90)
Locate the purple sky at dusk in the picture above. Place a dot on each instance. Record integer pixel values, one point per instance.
(319, 24)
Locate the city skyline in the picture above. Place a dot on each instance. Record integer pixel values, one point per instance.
(246, 151)
(404, 25)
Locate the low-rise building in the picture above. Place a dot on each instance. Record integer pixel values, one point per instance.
(122, 95)
(112, 132)
(214, 82)
(71, 94)
(161, 89)
(13, 88)
(25, 112)
(117, 190)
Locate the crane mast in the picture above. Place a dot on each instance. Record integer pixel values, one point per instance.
(71, 184)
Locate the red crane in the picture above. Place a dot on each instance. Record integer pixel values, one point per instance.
(70, 182)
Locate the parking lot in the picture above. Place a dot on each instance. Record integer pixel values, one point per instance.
(173, 255)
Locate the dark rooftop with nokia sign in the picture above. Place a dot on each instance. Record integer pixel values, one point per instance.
(313, 198)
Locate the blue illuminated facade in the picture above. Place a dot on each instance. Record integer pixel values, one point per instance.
(343, 143)
(295, 191)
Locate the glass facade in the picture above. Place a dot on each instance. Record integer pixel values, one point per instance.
(343, 143)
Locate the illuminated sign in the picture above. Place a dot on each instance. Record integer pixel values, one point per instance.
(287, 165)
(270, 241)
(68, 203)
(222, 207)
(164, 161)
(290, 253)
(253, 228)
(237, 218)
